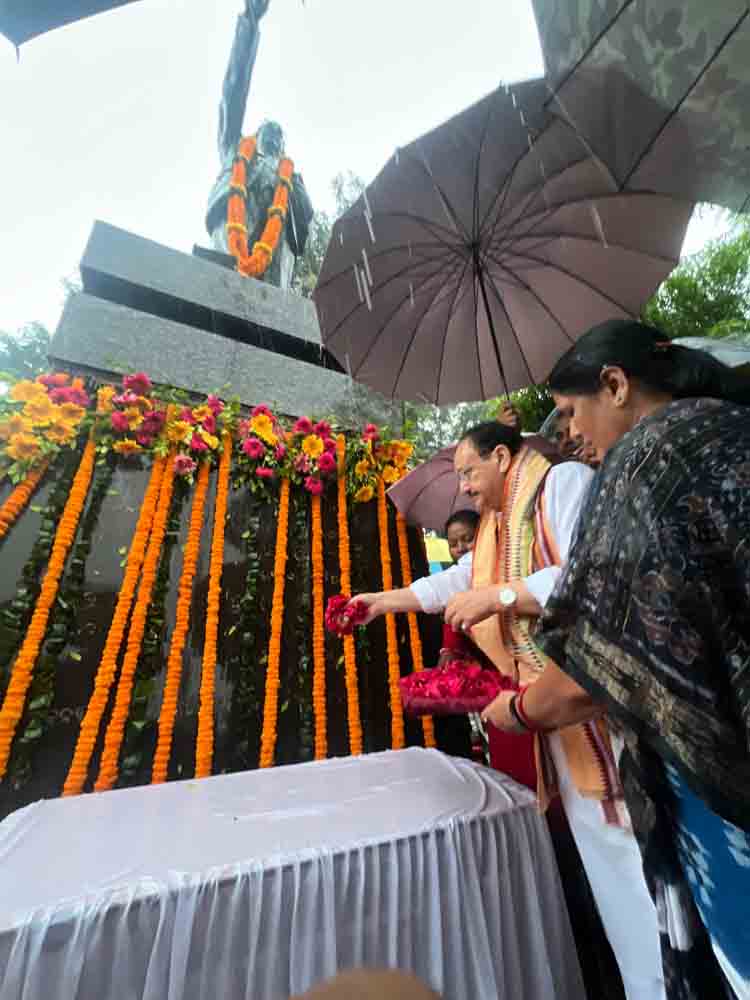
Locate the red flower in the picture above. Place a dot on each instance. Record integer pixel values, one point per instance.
(262, 409)
(264, 472)
(322, 429)
(342, 614)
(209, 423)
(68, 394)
(187, 415)
(139, 383)
(303, 426)
(370, 433)
(327, 462)
(253, 448)
(120, 422)
(215, 405)
(144, 439)
(329, 444)
(184, 465)
(197, 443)
(53, 381)
(153, 421)
(313, 485)
(280, 452)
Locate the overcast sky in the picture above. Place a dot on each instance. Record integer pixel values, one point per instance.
(115, 117)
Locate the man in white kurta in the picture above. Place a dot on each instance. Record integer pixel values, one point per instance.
(609, 852)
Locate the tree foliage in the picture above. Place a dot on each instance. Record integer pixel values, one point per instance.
(708, 295)
(24, 354)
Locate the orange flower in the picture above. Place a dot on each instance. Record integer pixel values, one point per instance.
(26, 392)
(23, 668)
(105, 674)
(22, 447)
(71, 413)
(116, 727)
(15, 424)
(126, 447)
(20, 496)
(201, 412)
(271, 702)
(104, 398)
(415, 640)
(345, 564)
(40, 411)
(391, 474)
(179, 431)
(204, 747)
(179, 635)
(60, 433)
(134, 415)
(318, 637)
(394, 666)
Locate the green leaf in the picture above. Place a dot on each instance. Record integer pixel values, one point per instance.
(75, 655)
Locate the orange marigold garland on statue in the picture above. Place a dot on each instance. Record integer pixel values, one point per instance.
(255, 264)
(271, 703)
(318, 639)
(23, 668)
(415, 639)
(394, 666)
(16, 502)
(107, 670)
(345, 564)
(204, 748)
(116, 728)
(179, 635)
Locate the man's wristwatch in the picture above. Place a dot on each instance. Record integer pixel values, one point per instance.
(507, 597)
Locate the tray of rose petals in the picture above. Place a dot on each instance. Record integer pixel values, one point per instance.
(458, 688)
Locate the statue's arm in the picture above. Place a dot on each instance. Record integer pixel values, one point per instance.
(237, 78)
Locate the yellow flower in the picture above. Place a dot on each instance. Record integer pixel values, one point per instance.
(22, 447)
(70, 413)
(362, 469)
(262, 426)
(60, 433)
(401, 452)
(211, 441)
(25, 392)
(364, 494)
(126, 447)
(40, 411)
(313, 446)
(104, 398)
(178, 431)
(391, 474)
(16, 424)
(134, 415)
(201, 412)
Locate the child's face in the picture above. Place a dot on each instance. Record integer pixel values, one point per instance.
(460, 539)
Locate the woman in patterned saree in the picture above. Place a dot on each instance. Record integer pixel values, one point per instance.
(651, 622)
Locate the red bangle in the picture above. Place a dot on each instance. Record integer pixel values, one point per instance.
(522, 714)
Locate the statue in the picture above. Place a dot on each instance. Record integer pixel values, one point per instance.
(262, 170)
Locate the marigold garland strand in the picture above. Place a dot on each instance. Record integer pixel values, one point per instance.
(318, 636)
(108, 766)
(179, 635)
(23, 668)
(345, 564)
(415, 639)
(204, 747)
(107, 670)
(271, 703)
(20, 496)
(394, 666)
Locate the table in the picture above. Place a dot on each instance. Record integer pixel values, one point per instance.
(255, 886)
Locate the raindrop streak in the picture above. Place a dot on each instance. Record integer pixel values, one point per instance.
(368, 210)
(341, 238)
(367, 266)
(598, 224)
(366, 290)
(411, 293)
(395, 156)
(359, 286)
(369, 226)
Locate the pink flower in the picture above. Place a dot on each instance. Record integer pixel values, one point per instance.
(52, 381)
(264, 472)
(303, 426)
(125, 399)
(261, 410)
(214, 404)
(313, 485)
(326, 462)
(302, 463)
(322, 428)
(209, 423)
(370, 433)
(139, 383)
(69, 395)
(253, 448)
(184, 465)
(144, 439)
(342, 614)
(197, 443)
(153, 421)
(119, 422)
(280, 452)
(329, 444)
(187, 415)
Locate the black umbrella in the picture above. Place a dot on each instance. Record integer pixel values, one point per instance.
(659, 90)
(21, 20)
(482, 250)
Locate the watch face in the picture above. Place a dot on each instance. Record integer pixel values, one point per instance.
(508, 597)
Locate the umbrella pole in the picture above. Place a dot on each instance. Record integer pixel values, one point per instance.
(480, 275)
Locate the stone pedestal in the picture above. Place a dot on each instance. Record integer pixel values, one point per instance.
(193, 324)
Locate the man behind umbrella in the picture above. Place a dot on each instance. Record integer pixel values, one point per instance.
(528, 511)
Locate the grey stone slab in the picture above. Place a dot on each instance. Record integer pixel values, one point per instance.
(103, 338)
(123, 267)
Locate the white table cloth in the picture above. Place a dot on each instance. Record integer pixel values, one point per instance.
(255, 886)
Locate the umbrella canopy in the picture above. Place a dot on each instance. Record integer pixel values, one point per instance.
(732, 352)
(21, 20)
(482, 250)
(429, 494)
(659, 90)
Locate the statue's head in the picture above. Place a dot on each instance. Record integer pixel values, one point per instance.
(270, 139)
